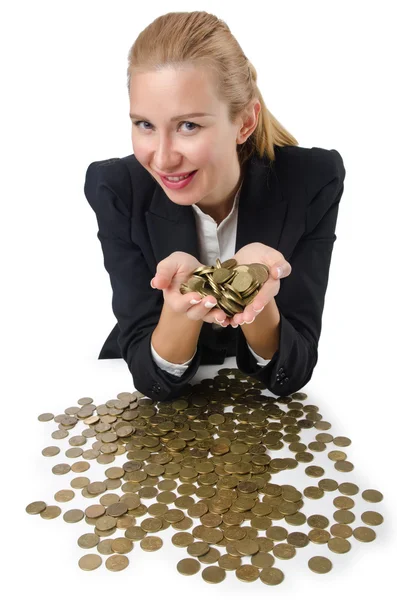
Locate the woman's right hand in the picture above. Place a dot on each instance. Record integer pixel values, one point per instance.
(171, 273)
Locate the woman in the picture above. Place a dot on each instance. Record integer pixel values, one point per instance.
(251, 194)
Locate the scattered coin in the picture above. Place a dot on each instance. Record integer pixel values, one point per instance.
(151, 543)
(34, 508)
(117, 562)
(213, 574)
(320, 564)
(188, 566)
(89, 562)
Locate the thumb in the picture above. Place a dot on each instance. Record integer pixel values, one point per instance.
(280, 269)
(163, 277)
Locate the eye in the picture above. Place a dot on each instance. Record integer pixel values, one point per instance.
(137, 123)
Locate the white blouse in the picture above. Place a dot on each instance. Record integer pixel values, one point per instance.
(214, 242)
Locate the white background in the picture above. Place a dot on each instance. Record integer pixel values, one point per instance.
(326, 72)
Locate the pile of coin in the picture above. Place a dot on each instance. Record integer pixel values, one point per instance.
(233, 286)
(203, 465)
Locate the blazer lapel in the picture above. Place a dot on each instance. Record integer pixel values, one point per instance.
(261, 215)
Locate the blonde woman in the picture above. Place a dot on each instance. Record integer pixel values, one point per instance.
(213, 175)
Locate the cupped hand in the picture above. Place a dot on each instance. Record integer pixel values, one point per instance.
(259, 253)
(170, 274)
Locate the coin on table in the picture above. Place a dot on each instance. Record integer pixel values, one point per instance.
(61, 469)
(88, 540)
(271, 576)
(262, 559)
(117, 562)
(50, 512)
(213, 574)
(188, 566)
(105, 546)
(34, 508)
(89, 562)
(350, 489)
(50, 451)
(341, 441)
(339, 545)
(45, 417)
(197, 548)
(229, 562)
(73, 516)
(341, 530)
(319, 564)
(364, 534)
(122, 545)
(372, 495)
(182, 540)
(151, 543)
(284, 551)
(371, 517)
(64, 495)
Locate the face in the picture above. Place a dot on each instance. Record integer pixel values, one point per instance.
(166, 146)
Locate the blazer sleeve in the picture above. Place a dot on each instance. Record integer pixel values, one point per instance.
(135, 304)
(301, 296)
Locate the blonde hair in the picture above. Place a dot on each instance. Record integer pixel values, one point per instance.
(200, 39)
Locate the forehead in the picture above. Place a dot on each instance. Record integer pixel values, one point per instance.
(173, 91)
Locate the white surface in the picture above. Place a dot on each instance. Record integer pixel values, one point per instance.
(325, 73)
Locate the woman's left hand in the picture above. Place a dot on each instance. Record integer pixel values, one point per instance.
(259, 253)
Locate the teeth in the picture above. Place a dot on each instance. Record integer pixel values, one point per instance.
(177, 178)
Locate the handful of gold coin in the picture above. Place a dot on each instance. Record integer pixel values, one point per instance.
(233, 286)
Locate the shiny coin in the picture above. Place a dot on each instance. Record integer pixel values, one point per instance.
(151, 543)
(88, 540)
(89, 562)
(319, 564)
(372, 496)
(342, 441)
(319, 536)
(122, 545)
(228, 562)
(319, 521)
(182, 540)
(45, 417)
(364, 534)
(344, 465)
(247, 573)
(34, 508)
(188, 566)
(50, 451)
(61, 469)
(340, 530)
(271, 575)
(197, 548)
(73, 516)
(339, 545)
(117, 562)
(350, 489)
(64, 495)
(298, 539)
(284, 551)
(370, 517)
(50, 512)
(344, 516)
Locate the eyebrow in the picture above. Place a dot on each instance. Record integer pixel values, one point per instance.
(196, 114)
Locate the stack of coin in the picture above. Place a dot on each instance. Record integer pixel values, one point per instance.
(191, 464)
(233, 286)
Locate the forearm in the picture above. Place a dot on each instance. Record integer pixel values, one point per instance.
(176, 336)
(263, 335)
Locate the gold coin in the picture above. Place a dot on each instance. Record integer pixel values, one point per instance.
(197, 548)
(151, 543)
(73, 516)
(328, 485)
(80, 467)
(372, 496)
(350, 489)
(50, 512)
(61, 469)
(188, 566)
(343, 502)
(135, 533)
(34, 508)
(318, 521)
(213, 574)
(344, 516)
(314, 471)
(122, 545)
(89, 562)
(105, 546)
(50, 451)
(364, 534)
(117, 562)
(271, 575)
(344, 465)
(340, 530)
(79, 482)
(182, 540)
(247, 573)
(262, 559)
(229, 562)
(45, 417)
(371, 518)
(319, 564)
(247, 547)
(276, 533)
(342, 441)
(298, 539)
(284, 551)
(210, 557)
(313, 492)
(64, 495)
(94, 511)
(88, 540)
(318, 536)
(339, 545)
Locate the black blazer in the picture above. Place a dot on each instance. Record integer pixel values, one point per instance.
(291, 206)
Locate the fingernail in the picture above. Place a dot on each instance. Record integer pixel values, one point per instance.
(260, 310)
(234, 326)
(220, 322)
(151, 283)
(209, 304)
(279, 271)
(195, 301)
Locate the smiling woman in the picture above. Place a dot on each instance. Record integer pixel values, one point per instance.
(213, 174)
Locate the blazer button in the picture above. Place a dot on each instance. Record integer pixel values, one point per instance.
(281, 370)
(281, 382)
(286, 379)
(155, 388)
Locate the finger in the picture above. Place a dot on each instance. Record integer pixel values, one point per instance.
(204, 308)
(164, 275)
(281, 269)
